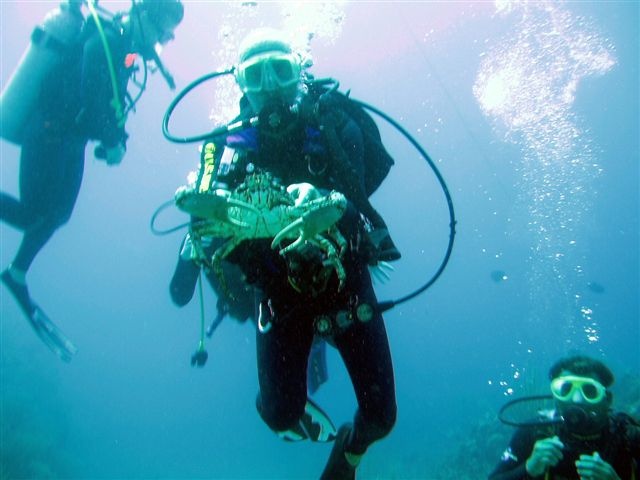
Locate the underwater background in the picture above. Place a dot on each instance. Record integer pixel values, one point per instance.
(530, 111)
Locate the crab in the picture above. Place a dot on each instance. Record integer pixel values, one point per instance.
(262, 208)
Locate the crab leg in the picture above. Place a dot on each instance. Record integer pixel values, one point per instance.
(324, 213)
(242, 206)
(213, 207)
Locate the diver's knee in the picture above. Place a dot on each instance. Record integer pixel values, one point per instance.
(279, 416)
(382, 420)
(388, 420)
(279, 420)
(32, 221)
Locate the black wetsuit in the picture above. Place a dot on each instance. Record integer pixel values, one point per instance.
(619, 446)
(238, 301)
(283, 350)
(74, 107)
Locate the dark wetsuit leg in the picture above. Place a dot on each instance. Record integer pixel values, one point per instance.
(282, 372)
(282, 363)
(365, 351)
(283, 353)
(51, 169)
(13, 212)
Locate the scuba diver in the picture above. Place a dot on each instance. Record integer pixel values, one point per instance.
(303, 155)
(71, 88)
(587, 440)
(236, 299)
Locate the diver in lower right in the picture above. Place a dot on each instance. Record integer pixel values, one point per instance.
(591, 443)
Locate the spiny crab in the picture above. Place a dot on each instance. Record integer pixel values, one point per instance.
(262, 208)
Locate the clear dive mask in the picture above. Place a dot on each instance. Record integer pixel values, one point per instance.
(563, 388)
(268, 71)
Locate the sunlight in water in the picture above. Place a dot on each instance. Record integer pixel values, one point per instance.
(306, 20)
(499, 90)
(527, 84)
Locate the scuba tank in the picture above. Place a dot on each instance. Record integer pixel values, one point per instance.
(50, 44)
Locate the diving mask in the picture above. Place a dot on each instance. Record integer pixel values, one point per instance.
(268, 71)
(563, 388)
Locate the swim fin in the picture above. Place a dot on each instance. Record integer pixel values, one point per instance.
(46, 330)
(315, 425)
(51, 335)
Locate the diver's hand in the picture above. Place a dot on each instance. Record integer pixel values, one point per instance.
(546, 453)
(115, 154)
(592, 467)
(302, 193)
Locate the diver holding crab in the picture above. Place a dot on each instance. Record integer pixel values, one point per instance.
(292, 176)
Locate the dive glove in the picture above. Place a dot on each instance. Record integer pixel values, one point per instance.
(114, 155)
(111, 155)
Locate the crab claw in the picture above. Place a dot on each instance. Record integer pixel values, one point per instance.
(303, 193)
(211, 206)
(323, 214)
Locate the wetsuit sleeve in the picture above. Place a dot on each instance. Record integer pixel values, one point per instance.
(187, 271)
(633, 437)
(512, 465)
(183, 282)
(98, 119)
(346, 146)
(344, 141)
(185, 275)
(352, 142)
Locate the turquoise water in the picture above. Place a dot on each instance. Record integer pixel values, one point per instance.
(530, 112)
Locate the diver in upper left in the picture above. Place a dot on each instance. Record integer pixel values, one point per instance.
(71, 88)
